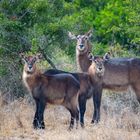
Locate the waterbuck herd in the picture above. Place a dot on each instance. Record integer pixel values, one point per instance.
(72, 90)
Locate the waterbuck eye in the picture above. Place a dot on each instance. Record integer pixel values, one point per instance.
(34, 59)
(95, 61)
(86, 38)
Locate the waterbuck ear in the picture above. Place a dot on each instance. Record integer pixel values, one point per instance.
(89, 33)
(90, 56)
(106, 56)
(23, 57)
(71, 35)
(39, 56)
(96, 58)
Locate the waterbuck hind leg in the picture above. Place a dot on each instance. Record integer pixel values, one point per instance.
(136, 89)
(82, 107)
(97, 103)
(74, 115)
(72, 119)
(77, 118)
(138, 100)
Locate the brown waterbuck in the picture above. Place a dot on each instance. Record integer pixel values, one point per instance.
(82, 52)
(55, 89)
(120, 73)
(89, 82)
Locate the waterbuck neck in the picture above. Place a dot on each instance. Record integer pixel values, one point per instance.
(30, 79)
(95, 76)
(82, 59)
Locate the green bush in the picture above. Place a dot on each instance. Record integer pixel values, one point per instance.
(42, 26)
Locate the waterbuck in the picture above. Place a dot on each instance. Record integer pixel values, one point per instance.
(89, 82)
(55, 89)
(120, 73)
(82, 52)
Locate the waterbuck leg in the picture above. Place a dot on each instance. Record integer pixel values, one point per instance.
(82, 108)
(97, 103)
(36, 119)
(77, 117)
(136, 89)
(41, 109)
(72, 119)
(74, 115)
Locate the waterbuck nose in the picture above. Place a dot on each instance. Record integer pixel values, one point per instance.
(30, 66)
(81, 45)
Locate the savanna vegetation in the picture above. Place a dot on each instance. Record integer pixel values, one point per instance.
(41, 26)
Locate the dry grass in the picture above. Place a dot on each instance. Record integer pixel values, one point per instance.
(120, 120)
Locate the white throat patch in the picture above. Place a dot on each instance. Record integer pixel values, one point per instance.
(24, 78)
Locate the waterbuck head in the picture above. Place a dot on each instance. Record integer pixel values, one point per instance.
(82, 41)
(29, 62)
(97, 65)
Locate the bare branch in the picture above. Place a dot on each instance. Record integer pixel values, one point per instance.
(47, 58)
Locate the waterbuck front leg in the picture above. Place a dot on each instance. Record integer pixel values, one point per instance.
(38, 122)
(42, 105)
(97, 94)
(82, 107)
(36, 118)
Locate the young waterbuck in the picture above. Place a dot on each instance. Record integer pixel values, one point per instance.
(55, 89)
(89, 82)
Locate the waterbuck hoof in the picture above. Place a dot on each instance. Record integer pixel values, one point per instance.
(76, 126)
(42, 125)
(95, 121)
(38, 125)
(70, 128)
(35, 124)
(82, 125)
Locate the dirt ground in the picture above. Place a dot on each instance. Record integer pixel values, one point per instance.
(120, 120)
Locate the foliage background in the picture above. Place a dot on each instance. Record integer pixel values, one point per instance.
(42, 26)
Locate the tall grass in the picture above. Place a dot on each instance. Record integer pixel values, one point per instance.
(120, 115)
